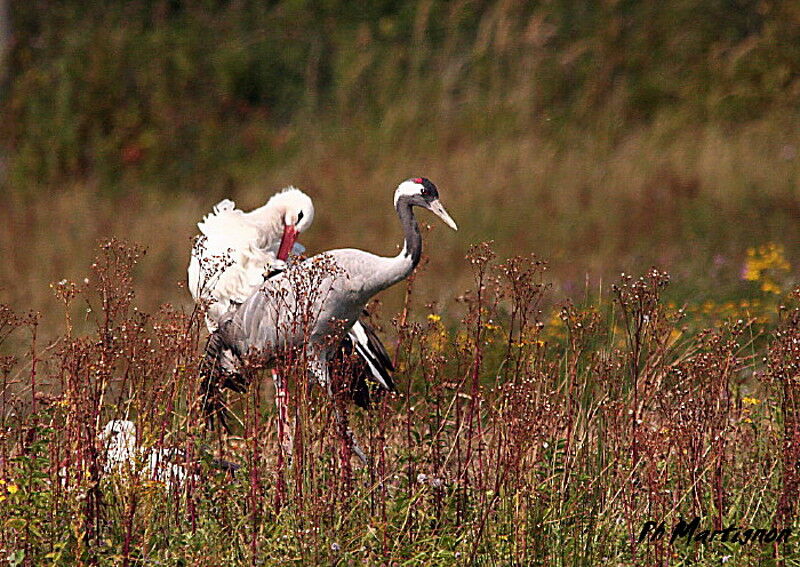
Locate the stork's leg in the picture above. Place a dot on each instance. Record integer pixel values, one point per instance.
(282, 409)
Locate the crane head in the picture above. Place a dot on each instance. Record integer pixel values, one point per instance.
(421, 192)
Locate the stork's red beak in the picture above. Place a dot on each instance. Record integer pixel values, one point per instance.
(287, 241)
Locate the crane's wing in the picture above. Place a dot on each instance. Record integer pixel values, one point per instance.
(371, 349)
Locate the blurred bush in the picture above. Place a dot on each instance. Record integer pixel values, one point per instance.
(172, 92)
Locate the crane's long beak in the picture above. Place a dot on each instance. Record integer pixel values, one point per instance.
(437, 209)
(287, 241)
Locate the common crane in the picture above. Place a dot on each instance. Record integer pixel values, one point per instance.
(276, 318)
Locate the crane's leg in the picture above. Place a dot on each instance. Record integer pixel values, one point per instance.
(320, 370)
(347, 433)
(282, 409)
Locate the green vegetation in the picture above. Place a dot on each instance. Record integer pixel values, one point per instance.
(605, 137)
(522, 435)
(175, 92)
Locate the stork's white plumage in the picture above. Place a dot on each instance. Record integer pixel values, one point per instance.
(124, 456)
(236, 249)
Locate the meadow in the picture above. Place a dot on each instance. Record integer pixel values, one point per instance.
(521, 434)
(611, 337)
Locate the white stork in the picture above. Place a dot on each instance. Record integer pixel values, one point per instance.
(238, 250)
(267, 322)
(124, 456)
(165, 465)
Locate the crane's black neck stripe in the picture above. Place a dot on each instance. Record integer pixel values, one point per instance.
(413, 240)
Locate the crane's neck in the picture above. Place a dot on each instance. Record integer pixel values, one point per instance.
(412, 245)
(399, 267)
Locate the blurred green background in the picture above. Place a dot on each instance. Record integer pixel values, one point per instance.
(602, 136)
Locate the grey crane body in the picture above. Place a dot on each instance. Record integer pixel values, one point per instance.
(275, 318)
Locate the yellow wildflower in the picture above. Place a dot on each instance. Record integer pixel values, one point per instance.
(438, 341)
(435, 318)
(463, 340)
(764, 264)
(750, 401)
(12, 488)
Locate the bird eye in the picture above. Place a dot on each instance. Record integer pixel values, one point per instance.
(299, 216)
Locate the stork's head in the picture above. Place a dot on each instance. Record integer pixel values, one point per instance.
(421, 192)
(116, 426)
(119, 442)
(296, 212)
(118, 434)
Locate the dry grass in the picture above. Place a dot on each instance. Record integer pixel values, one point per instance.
(545, 415)
(522, 435)
(592, 208)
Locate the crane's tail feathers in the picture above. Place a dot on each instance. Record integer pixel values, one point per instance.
(377, 372)
(370, 370)
(369, 346)
(375, 344)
